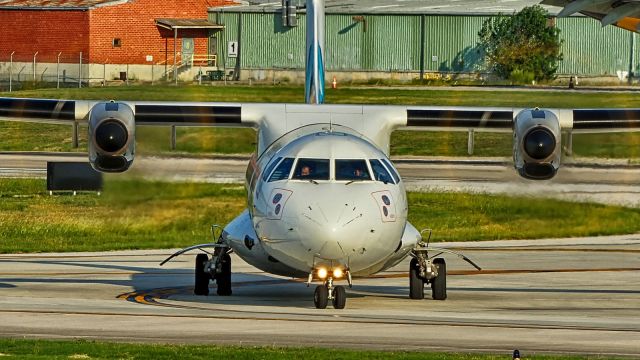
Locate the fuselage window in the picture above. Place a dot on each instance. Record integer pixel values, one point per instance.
(392, 170)
(270, 167)
(380, 173)
(312, 169)
(352, 170)
(282, 171)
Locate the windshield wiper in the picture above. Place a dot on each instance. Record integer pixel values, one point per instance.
(352, 181)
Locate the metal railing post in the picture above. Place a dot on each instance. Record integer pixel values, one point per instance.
(470, 141)
(80, 72)
(74, 135)
(173, 137)
(568, 148)
(58, 71)
(11, 72)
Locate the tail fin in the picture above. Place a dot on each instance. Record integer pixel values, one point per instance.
(314, 73)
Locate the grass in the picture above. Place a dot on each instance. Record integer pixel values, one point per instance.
(136, 214)
(37, 137)
(46, 349)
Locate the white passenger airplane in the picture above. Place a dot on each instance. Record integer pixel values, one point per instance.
(324, 201)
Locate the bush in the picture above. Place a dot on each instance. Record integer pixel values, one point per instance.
(523, 46)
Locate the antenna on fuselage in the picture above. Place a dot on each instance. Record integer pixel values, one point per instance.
(314, 71)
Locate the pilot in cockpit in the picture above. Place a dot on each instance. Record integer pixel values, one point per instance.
(305, 171)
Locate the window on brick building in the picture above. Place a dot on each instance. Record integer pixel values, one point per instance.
(117, 42)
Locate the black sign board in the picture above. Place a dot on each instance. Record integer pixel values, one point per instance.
(73, 176)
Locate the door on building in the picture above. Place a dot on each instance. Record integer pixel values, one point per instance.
(187, 50)
(213, 51)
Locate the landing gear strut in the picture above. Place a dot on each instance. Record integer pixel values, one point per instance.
(217, 267)
(425, 269)
(326, 292)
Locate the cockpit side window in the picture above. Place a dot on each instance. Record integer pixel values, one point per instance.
(312, 169)
(282, 171)
(392, 170)
(352, 170)
(380, 173)
(270, 167)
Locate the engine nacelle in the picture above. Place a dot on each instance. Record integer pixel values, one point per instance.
(537, 144)
(111, 136)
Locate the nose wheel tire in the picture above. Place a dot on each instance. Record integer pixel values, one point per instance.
(202, 278)
(439, 284)
(223, 278)
(416, 284)
(339, 297)
(321, 297)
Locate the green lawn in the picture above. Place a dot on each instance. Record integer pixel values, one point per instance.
(45, 349)
(155, 140)
(135, 214)
(357, 95)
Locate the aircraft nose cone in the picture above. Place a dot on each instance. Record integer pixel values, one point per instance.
(334, 227)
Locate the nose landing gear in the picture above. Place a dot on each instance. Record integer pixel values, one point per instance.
(326, 291)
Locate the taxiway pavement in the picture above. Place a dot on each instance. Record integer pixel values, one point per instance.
(544, 296)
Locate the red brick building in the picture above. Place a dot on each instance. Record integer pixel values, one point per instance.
(105, 31)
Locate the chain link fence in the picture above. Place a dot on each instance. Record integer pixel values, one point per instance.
(22, 71)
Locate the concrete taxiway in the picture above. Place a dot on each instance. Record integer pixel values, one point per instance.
(557, 296)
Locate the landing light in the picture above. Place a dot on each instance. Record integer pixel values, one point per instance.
(322, 273)
(337, 273)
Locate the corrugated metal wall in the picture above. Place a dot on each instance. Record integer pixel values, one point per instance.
(451, 43)
(590, 49)
(392, 43)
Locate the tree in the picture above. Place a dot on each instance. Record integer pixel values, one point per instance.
(522, 47)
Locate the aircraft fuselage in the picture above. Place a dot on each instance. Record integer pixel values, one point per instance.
(323, 197)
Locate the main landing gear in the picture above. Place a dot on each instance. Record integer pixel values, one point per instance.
(432, 270)
(326, 291)
(217, 267)
(424, 271)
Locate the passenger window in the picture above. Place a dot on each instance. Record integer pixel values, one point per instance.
(392, 170)
(352, 170)
(312, 169)
(282, 171)
(380, 173)
(269, 168)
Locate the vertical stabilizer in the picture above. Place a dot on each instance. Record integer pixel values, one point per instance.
(314, 72)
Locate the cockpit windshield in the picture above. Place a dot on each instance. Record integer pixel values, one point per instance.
(282, 171)
(352, 170)
(380, 173)
(312, 169)
(392, 170)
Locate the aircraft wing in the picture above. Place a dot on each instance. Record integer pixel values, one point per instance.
(623, 14)
(577, 120)
(537, 132)
(146, 113)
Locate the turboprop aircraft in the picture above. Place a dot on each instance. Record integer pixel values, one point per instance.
(624, 14)
(324, 202)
